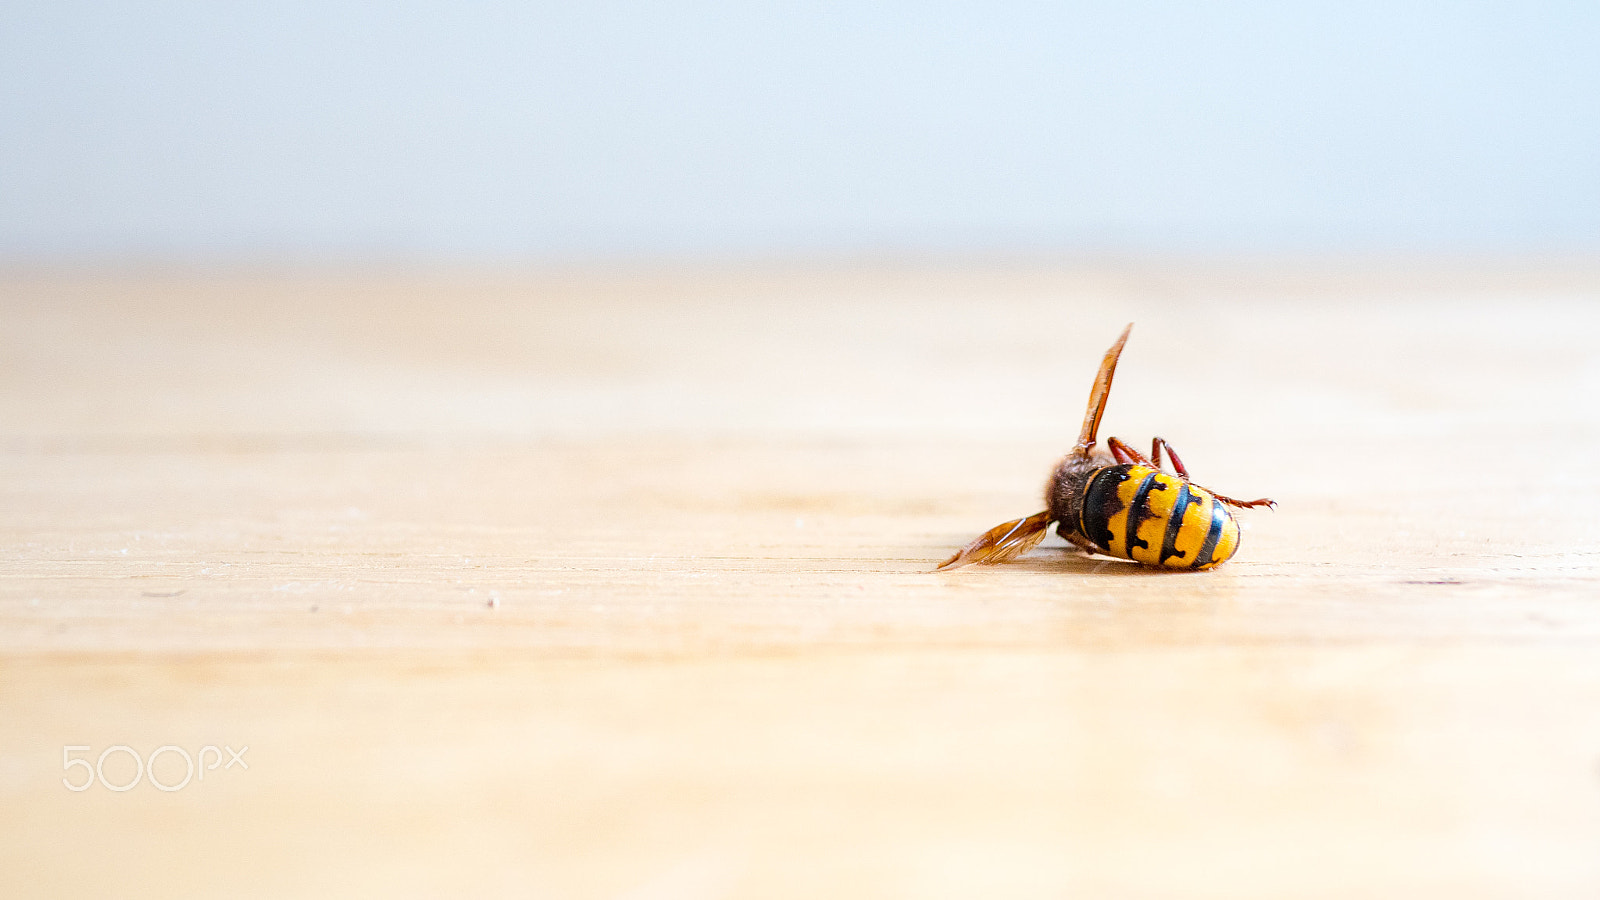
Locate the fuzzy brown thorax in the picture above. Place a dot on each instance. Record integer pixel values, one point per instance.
(1063, 495)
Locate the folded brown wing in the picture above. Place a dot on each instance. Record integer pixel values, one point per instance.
(1099, 393)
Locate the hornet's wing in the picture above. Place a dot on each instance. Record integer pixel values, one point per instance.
(1002, 543)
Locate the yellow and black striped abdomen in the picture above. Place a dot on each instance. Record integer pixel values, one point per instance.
(1138, 513)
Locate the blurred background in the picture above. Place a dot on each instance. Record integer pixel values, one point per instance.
(495, 131)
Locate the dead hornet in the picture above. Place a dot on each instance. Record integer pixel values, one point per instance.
(1120, 503)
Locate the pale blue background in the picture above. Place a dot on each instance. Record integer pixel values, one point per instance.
(729, 129)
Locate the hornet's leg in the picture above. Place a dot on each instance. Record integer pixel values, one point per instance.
(1125, 454)
(1245, 504)
(1077, 540)
(1177, 464)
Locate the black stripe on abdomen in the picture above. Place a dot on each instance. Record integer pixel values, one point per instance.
(1100, 503)
(1139, 510)
(1169, 542)
(1219, 516)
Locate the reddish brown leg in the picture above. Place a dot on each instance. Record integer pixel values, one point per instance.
(1125, 454)
(1245, 504)
(1177, 464)
(1079, 541)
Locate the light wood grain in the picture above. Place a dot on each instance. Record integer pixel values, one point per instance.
(618, 583)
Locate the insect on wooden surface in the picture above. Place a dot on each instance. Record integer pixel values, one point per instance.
(1120, 503)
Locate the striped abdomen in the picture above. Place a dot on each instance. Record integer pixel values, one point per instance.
(1138, 513)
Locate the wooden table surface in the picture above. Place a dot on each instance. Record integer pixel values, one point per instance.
(617, 584)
